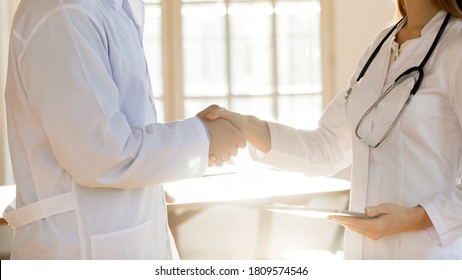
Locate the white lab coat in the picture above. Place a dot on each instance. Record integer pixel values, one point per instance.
(88, 155)
(419, 162)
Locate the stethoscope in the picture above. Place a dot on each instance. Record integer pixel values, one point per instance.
(406, 74)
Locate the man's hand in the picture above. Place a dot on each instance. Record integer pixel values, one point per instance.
(256, 131)
(203, 114)
(225, 139)
(236, 119)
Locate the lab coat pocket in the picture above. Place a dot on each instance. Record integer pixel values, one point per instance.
(422, 244)
(136, 243)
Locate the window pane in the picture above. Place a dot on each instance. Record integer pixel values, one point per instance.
(260, 106)
(204, 49)
(242, 33)
(251, 56)
(300, 111)
(299, 55)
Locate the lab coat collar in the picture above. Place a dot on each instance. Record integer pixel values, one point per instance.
(431, 24)
(434, 22)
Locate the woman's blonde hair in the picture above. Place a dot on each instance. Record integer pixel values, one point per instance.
(453, 7)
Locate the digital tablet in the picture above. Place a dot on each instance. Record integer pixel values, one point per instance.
(301, 210)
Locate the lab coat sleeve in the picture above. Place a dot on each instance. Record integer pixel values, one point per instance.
(445, 209)
(70, 90)
(321, 152)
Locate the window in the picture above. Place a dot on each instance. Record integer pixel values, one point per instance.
(259, 57)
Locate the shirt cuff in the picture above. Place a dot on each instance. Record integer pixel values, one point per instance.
(206, 129)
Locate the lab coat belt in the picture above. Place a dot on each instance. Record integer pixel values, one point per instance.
(39, 210)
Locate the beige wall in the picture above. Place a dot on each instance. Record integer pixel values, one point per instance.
(355, 24)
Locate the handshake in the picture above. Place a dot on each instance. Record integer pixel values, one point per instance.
(229, 132)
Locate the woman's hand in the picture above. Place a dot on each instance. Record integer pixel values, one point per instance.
(386, 219)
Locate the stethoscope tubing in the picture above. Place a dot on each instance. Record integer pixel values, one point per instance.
(399, 79)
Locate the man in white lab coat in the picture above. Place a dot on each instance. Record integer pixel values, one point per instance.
(88, 155)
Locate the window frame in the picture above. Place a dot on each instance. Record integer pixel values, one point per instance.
(172, 54)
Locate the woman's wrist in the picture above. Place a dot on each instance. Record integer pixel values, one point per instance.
(250, 125)
(257, 133)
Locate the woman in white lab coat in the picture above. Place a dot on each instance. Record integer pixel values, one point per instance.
(88, 154)
(409, 179)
